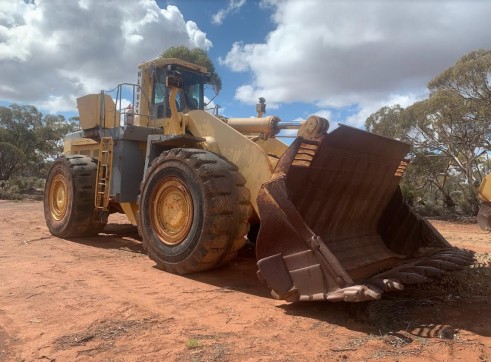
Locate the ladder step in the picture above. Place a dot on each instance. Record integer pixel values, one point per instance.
(103, 173)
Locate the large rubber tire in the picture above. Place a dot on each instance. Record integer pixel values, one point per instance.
(194, 211)
(69, 197)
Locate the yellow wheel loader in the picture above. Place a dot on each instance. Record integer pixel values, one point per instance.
(484, 215)
(333, 223)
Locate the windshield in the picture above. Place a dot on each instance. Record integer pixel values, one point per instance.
(189, 98)
(193, 89)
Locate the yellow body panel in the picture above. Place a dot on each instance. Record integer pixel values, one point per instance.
(159, 62)
(255, 126)
(96, 112)
(485, 188)
(250, 158)
(130, 209)
(274, 149)
(272, 146)
(81, 146)
(175, 124)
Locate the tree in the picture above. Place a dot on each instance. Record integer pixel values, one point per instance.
(55, 127)
(196, 56)
(389, 121)
(28, 140)
(469, 78)
(429, 175)
(452, 128)
(11, 159)
(446, 125)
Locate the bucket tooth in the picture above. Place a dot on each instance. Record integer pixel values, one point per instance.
(410, 278)
(426, 271)
(458, 256)
(440, 264)
(355, 293)
(385, 284)
(460, 262)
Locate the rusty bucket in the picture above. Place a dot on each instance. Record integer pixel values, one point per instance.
(334, 225)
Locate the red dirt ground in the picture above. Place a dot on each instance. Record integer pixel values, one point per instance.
(102, 299)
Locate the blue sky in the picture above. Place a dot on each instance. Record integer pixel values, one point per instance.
(339, 59)
(250, 23)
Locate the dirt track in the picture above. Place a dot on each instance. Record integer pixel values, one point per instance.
(102, 299)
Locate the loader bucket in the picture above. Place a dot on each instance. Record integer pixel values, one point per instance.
(334, 225)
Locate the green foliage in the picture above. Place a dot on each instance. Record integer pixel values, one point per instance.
(192, 343)
(196, 56)
(388, 121)
(450, 132)
(28, 140)
(18, 188)
(11, 158)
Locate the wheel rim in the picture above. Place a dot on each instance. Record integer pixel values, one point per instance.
(58, 197)
(172, 211)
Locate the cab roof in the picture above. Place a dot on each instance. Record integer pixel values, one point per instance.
(159, 62)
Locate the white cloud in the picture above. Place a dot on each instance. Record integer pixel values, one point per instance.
(238, 58)
(55, 104)
(341, 53)
(53, 51)
(366, 108)
(233, 6)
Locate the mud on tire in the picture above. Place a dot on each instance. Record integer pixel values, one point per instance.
(193, 210)
(69, 197)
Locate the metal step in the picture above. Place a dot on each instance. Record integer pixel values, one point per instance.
(104, 174)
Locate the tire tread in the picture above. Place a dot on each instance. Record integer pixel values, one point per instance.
(227, 211)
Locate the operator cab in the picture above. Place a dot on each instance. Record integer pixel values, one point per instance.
(189, 98)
